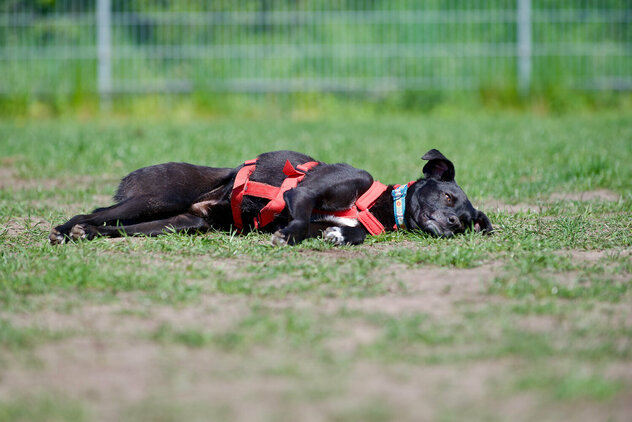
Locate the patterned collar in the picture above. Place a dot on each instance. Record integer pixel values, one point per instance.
(399, 204)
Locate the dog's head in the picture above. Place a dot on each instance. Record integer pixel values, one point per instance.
(437, 205)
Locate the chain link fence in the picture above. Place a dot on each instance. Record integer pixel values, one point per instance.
(367, 46)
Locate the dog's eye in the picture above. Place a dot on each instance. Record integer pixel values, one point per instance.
(448, 197)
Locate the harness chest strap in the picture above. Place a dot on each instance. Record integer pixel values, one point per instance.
(244, 186)
(365, 202)
(361, 209)
(237, 195)
(276, 204)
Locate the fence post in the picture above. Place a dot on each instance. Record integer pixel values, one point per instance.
(524, 47)
(104, 52)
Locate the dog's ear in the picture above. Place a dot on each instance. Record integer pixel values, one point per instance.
(438, 167)
(482, 223)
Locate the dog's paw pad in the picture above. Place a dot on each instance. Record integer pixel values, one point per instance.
(334, 235)
(278, 239)
(78, 232)
(55, 237)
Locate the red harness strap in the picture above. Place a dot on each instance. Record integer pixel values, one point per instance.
(244, 186)
(237, 195)
(365, 202)
(276, 204)
(360, 209)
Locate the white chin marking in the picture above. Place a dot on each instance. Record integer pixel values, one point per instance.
(339, 221)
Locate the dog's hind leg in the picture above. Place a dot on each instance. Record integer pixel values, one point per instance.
(152, 193)
(183, 223)
(129, 211)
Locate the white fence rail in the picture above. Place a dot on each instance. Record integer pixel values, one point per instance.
(116, 46)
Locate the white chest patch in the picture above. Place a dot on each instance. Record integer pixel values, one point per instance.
(338, 221)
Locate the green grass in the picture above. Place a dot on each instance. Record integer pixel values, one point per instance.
(145, 37)
(571, 386)
(539, 311)
(23, 338)
(47, 407)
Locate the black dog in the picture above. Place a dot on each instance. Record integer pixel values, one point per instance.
(283, 192)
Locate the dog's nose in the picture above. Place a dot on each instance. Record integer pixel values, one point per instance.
(454, 222)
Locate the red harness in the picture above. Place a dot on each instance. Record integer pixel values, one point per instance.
(244, 186)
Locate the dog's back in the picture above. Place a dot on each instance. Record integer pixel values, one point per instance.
(182, 182)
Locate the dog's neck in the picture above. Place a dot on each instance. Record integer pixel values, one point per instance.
(383, 209)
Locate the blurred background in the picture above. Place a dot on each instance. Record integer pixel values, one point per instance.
(94, 55)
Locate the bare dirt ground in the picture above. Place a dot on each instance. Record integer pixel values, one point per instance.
(111, 363)
(593, 195)
(11, 180)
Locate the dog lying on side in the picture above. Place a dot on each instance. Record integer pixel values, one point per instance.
(286, 193)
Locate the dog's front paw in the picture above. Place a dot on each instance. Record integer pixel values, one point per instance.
(278, 239)
(83, 232)
(56, 237)
(78, 232)
(334, 235)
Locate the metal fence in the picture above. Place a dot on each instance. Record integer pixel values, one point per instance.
(134, 46)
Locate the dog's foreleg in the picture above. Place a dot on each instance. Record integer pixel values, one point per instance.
(345, 235)
(330, 188)
(300, 204)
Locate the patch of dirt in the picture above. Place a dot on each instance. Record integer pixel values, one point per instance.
(386, 246)
(593, 255)
(9, 179)
(593, 195)
(6, 175)
(540, 206)
(433, 291)
(361, 334)
(538, 323)
(212, 313)
(18, 225)
(591, 258)
(339, 254)
(422, 392)
(499, 206)
(100, 371)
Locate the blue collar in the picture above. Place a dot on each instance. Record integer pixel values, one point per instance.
(399, 205)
